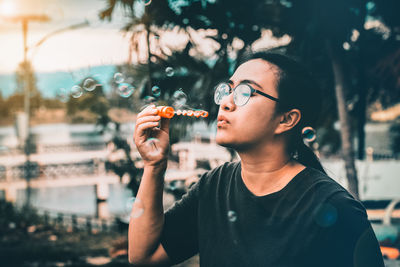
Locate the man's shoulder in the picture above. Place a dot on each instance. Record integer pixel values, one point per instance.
(219, 174)
(330, 191)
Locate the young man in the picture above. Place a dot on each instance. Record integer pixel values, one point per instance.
(275, 207)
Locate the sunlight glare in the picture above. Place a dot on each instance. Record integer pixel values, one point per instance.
(7, 8)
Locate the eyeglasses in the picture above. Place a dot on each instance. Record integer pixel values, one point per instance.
(241, 93)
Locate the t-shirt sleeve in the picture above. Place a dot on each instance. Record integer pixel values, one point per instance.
(346, 235)
(180, 233)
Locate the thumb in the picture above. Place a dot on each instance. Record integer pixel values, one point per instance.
(165, 125)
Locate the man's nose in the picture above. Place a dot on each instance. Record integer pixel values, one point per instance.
(227, 103)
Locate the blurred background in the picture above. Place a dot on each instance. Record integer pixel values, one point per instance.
(74, 74)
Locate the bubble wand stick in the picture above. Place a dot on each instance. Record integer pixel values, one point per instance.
(169, 112)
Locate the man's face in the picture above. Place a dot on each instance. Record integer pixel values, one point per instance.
(241, 127)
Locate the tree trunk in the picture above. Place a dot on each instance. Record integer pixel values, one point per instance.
(345, 127)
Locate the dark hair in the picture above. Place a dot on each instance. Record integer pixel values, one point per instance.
(296, 89)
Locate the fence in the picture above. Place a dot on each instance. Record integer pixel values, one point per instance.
(51, 171)
(74, 222)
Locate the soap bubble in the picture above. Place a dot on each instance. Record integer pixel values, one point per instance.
(149, 100)
(156, 91)
(169, 71)
(326, 215)
(89, 84)
(118, 77)
(232, 217)
(309, 134)
(179, 99)
(134, 207)
(63, 95)
(76, 91)
(125, 90)
(146, 2)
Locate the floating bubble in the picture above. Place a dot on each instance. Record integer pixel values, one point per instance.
(76, 91)
(146, 2)
(179, 99)
(224, 36)
(89, 84)
(149, 100)
(309, 134)
(185, 21)
(63, 95)
(232, 217)
(169, 71)
(152, 147)
(326, 215)
(255, 28)
(118, 77)
(134, 207)
(125, 90)
(156, 91)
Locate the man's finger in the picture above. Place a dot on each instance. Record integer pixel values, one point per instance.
(165, 125)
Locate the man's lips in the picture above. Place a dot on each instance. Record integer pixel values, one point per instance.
(222, 120)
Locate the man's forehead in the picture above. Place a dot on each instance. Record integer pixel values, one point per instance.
(257, 70)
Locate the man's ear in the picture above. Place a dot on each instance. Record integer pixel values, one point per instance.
(288, 121)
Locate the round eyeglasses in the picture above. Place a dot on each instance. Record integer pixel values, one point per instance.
(241, 93)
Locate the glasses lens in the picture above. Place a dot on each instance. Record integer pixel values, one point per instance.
(221, 91)
(242, 94)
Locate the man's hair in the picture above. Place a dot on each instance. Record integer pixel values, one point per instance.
(298, 89)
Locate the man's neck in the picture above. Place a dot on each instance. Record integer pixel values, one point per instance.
(268, 173)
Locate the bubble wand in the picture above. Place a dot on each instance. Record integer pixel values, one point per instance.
(169, 112)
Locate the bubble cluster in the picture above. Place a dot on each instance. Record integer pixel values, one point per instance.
(169, 71)
(179, 99)
(134, 207)
(89, 84)
(232, 217)
(76, 91)
(118, 77)
(125, 90)
(156, 91)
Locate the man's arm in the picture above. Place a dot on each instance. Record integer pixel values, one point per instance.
(145, 230)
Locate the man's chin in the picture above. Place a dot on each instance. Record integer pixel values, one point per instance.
(224, 143)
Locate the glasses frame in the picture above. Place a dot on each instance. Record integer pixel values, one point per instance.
(252, 91)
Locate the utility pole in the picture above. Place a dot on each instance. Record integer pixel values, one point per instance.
(23, 122)
(25, 19)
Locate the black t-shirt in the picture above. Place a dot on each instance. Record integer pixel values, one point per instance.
(312, 221)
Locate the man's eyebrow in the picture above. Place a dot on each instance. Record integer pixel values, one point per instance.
(246, 81)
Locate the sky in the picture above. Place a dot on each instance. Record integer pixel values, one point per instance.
(71, 49)
(101, 43)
